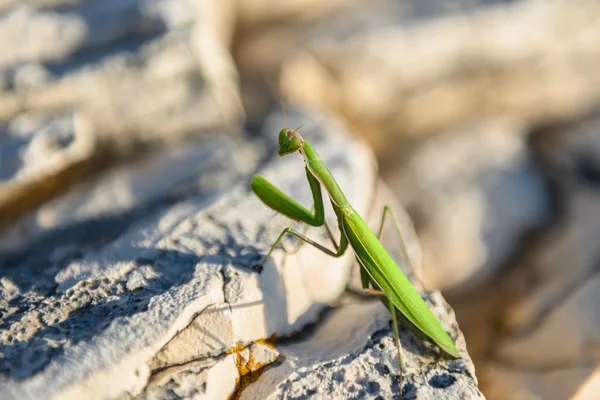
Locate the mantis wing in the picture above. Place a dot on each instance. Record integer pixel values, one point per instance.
(392, 281)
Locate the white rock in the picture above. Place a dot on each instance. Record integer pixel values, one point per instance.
(55, 36)
(126, 101)
(60, 32)
(142, 183)
(99, 322)
(47, 145)
(208, 379)
(194, 380)
(353, 354)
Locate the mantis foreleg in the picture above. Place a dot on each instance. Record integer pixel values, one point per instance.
(284, 204)
(281, 202)
(392, 310)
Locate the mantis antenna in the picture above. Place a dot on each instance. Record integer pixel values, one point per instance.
(274, 86)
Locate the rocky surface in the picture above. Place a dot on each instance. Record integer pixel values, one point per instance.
(158, 301)
(166, 285)
(97, 82)
(123, 171)
(353, 355)
(273, 36)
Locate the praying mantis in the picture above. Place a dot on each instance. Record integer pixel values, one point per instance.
(380, 275)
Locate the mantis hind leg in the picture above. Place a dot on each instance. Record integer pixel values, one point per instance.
(388, 211)
(282, 203)
(398, 345)
(392, 311)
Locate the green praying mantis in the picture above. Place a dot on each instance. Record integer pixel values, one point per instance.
(379, 273)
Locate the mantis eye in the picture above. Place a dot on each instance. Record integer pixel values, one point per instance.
(289, 142)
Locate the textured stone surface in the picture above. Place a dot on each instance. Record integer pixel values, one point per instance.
(93, 83)
(353, 355)
(271, 33)
(98, 319)
(208, 379)
(31, 143)
(68, 28)
(160, 176)
(526, 369)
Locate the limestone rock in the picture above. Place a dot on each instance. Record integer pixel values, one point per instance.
(118, 306)
(211, 378)
(251, 12)
(145, 183)
(527, 369)
(353, 354)
(62, 30)
(121, 77)
(272, 33)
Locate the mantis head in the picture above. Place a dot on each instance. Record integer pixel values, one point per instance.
(290, 141)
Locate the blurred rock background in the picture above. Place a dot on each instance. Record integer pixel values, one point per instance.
(484, 116)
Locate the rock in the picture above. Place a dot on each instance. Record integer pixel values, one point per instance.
(353, 354)
(113, 306)
(275, 32)
(36, 143)
(30, 76)
(122, 77)
(209, 379)
(251, 13)
(40, 156)
(134, 185)
(270, 33)
(470, 214)
(408, 79)
(55, 36)
(62, 30)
